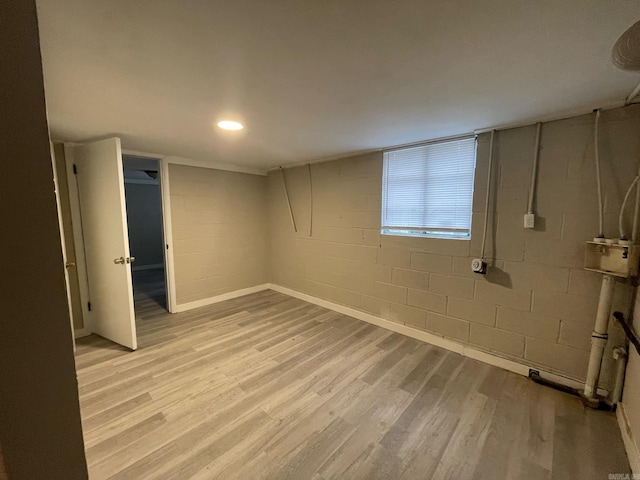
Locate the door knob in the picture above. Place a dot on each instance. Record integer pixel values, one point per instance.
(119, 261)
(131, 259)
(70, 265)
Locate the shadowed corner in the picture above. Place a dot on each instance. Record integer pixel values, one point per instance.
(498, 277)
(3, 472)
(540, 225)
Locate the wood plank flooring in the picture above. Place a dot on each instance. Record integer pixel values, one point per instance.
(270, 387)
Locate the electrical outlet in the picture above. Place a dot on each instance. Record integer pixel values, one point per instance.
(479, 266)
(529, 220)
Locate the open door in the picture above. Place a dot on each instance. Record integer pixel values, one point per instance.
(63, 240)
(106, 240)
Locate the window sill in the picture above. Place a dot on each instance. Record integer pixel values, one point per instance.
(425, 234)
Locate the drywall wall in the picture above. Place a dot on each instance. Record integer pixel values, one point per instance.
(144, 219)
(219, 228)
(40, 429)
(536, 305)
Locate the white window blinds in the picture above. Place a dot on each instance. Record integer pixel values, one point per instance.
(428, 190)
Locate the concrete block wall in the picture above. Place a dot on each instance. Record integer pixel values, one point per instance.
(219, 226)
(536, 305)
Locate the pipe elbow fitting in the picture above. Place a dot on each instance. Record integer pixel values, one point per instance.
(619, 353)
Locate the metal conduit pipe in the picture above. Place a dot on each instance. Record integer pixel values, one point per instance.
(598, 175)
(487, 197)
(286, 194)
(534, 170)
(623, 235)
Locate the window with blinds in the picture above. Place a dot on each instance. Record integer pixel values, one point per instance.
(427, 190)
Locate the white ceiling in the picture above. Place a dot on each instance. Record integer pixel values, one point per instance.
(320, 78)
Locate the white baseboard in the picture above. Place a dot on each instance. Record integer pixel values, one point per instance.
(630, 444)
(81, 332)
(431, 338)
(220, 298)
(137, 268)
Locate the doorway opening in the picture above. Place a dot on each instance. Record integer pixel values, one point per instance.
(143, 198)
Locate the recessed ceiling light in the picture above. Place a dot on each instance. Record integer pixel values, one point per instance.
(230, 125)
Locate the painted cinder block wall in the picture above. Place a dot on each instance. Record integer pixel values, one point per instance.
(219, 225)
(536, 305)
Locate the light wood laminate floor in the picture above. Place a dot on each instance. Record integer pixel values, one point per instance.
(268, 386)
(149, 285)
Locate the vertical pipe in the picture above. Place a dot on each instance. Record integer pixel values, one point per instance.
(486, 203)
(310, 202)
(286, 194)
(534, 172)
(599, 336)
(620, 354)
(598, 179)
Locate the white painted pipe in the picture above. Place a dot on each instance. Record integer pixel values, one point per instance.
(599, 336)
(620, 355)
(534, 172)
(632, 95)
(598, 176)
(286, 194)
(623, 235)
(488, 196)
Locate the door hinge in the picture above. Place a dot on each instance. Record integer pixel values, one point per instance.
(75, 169)
(89, 305)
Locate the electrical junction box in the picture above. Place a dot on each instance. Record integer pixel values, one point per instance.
(479, 266)
(529, 220)
(615, 259)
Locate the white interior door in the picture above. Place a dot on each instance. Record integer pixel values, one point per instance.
(106, 240)
(56, 185)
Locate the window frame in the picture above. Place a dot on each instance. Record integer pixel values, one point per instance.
(426, 231)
